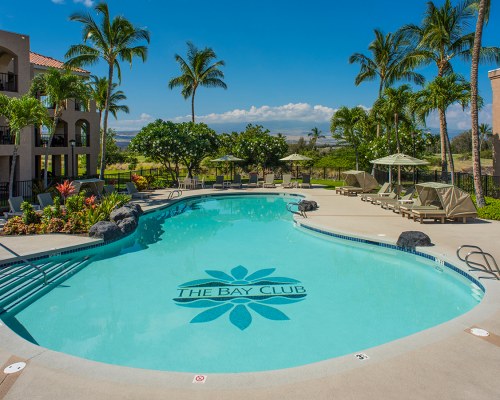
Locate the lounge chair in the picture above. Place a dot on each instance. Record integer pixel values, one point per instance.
(406, 210)
(132, 191)
(383, 189)
(108, 189)
(306, 181)
(236, 183)
(376, 199)
(340, 189)
(407, 198)
(421, 214)
(269, 181)
(199, 183)
(219, 182)
(15, 207)
(287, 181)
(186, 183)
(253, 181)
(45, 200)
(351, 191)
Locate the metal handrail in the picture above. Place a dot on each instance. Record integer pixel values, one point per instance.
(301, 213)
(27, 262)
(485, 267)
(178, 192)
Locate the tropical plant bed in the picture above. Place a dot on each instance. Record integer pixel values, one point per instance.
(491, 210)
(78, 214)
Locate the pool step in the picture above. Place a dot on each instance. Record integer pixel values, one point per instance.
(24, 284)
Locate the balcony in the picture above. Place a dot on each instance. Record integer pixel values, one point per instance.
(5, 136)
(8, 82)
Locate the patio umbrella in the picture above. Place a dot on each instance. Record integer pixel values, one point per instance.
(228, 158)
(295, 157)
(398, 159)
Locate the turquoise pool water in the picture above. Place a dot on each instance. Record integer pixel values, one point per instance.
(229, 284)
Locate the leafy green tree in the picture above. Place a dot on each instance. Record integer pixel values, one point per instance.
(438, 95)
(57, 86)
(197, 71)
(98, 93)
(197, 142)
(113, 152)
(113, 40)
(390, 61)
(21, 112)
(159, 141)
(348, 124)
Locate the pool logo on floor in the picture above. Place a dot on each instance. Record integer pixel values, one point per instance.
(242, 294)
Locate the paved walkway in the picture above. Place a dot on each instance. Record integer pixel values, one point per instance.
(442, 362)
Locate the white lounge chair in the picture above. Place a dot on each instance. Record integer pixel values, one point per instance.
(269, 181)
(287, 181)
(132, 191)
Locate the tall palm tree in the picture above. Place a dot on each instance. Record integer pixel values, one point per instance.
(438, 95)
(58, 86)
(197, 71)
(112, 41)
(315, 134)
(485, 131)
(346, 124)
(391, 61)
(20, 113)
(98, 93)
(445, 34)
(483, 12)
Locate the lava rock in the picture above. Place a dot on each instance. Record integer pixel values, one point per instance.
(307, 205)
(105, 230)
(412, 239)
(127, 225)
(129, 210)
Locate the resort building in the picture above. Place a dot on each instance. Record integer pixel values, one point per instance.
(76, 140)
(495, 86)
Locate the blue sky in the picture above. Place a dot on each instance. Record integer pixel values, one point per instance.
(286, 60)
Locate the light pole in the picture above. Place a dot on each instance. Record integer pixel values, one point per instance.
(72, 142)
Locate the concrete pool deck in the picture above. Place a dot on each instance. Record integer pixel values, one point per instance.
(442, 362)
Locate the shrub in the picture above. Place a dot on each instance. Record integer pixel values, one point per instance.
(53, 225)
(112, 201)
(16, 226)
(491, 210)
(75, 203)
(65, 189)
(140, 182)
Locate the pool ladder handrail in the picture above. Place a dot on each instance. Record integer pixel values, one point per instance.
(27, 262)
(171, 194)
(488, 266)
(301, 213)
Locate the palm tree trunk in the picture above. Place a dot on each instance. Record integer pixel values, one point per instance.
(450, 156)
(357, 163)
(476, 148)
(396, 125)
(443, 133)
(192, 104)
(12, 170)
(105, 123)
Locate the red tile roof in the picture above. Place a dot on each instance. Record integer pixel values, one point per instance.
(45, 61)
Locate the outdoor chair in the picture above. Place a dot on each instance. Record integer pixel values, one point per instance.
(287, 181)
(132, 191)
(253, 180)
(199, 183)
(236, 183)
(269, 181)
(219, 182)
(407, 198)
(306, 181)
(186, 183)
(108, 189)
(383, 189)
(45, 200)
(15, 207)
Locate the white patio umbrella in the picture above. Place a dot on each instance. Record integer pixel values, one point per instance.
(295, 157)
(398, 159)
(228, 158)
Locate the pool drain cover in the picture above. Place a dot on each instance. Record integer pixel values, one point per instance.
(13, 368)
(479, 332)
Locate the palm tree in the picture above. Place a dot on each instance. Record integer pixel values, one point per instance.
(346, 125)
(58, 87)
(196, 71)
(391, 61)
(485, 131)
(112, 41)
(443, 35)
(98, 93)
(483, 8)
(315, 134)
(438, 95)
(20, 113)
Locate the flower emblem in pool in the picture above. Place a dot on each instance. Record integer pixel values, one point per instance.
(241, 294)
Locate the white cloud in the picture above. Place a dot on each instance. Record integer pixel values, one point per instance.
(459, 119)
(131, 124)
(289, 112)
(86, 3)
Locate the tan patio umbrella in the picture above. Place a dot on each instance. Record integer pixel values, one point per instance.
(228, 158)
(295, 157)
(398, 159)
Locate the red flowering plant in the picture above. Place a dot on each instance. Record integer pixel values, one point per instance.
(65, 189)
(91, 201)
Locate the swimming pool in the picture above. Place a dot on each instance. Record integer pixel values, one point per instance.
(229, 284)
